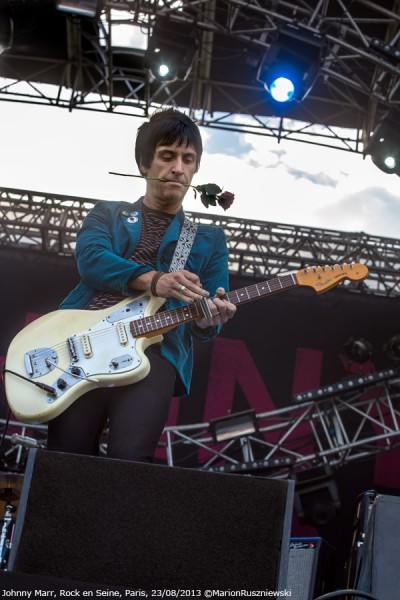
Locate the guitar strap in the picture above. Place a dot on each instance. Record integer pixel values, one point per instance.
(184, 245)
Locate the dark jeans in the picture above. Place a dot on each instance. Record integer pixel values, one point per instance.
(136, 415)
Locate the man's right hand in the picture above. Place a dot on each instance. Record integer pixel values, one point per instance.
(183, 285)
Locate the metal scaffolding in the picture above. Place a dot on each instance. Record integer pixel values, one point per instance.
(47, 224)
(354, 419)
(76, 63)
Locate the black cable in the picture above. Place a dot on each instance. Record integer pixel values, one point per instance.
(341, 593)
(3, 437)
(42, 386)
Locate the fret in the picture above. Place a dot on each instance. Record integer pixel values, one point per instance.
(261, 289)
(183, 314)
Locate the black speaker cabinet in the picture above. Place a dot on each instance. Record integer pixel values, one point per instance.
(311, 568)
(150, 526)
(379, 569)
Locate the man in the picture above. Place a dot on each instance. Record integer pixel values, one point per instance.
(123, 249)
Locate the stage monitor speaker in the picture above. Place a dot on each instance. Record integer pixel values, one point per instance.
(379, 568)
(311, 568)
(150, 526)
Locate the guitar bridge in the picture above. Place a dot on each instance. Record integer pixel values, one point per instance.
(40, 361)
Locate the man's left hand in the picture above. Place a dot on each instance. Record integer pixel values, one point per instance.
(221, 309)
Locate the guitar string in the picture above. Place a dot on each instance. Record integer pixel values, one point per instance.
(178, 315)
(152, 322)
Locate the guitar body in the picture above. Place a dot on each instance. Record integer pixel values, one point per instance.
(74, 351)
(61, 356)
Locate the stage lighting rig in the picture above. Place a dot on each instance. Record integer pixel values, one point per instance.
(384, 144)
(291, 65)
(171, 50)
(6, 29)
(357, 350)
(233, 426)
(392, 348)
(80, 8)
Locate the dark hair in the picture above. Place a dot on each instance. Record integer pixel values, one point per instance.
(166, 127)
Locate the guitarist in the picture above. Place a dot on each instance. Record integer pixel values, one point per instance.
(124, 248)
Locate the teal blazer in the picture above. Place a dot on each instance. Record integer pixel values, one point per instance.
(106, 240)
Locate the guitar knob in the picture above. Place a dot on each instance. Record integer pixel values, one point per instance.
(61, 384)
(75, 370)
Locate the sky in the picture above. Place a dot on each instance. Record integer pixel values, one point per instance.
(49, 149)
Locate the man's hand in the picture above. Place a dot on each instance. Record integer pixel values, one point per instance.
(221, 309)
(183, 285)
(186, 286)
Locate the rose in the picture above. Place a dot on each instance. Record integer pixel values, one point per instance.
(210, 193)
(226, 199)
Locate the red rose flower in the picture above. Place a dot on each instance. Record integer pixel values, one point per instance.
(225, 200)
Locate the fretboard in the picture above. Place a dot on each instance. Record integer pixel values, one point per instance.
(191, 312)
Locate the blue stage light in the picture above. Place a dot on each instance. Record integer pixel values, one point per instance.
(282, 89)
(290, 66)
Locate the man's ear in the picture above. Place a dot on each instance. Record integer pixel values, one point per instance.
(143, 170)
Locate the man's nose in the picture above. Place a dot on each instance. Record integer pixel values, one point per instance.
(177, 166)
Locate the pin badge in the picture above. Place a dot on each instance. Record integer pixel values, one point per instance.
(132, 216)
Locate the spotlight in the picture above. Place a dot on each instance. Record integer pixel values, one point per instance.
(316, 498)
(357, 350)
(6, 30)
(171, 50)
(291, 65)
(234, 426)
(384, 144)
(83, 8)
(392, 348)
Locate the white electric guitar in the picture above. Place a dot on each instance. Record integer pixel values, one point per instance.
(60, 356)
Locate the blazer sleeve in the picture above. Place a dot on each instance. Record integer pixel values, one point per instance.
(101, 245)
(214, 275)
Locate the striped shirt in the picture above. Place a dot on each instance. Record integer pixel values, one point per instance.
(154, 225)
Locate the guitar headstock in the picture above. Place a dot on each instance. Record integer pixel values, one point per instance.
(323, 279)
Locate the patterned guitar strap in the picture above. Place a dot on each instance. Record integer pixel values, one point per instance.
(184, 245)
(181, 254)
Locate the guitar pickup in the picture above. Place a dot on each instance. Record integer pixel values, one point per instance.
(121, 330)
(87, 346)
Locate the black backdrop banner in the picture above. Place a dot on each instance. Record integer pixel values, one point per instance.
(273, 348)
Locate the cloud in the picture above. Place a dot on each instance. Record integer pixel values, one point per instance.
(373, 210)
(228, 143)
(317, 178)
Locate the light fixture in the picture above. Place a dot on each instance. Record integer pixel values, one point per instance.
(291, 65)
(357, 350)
(384, 144)
(233, 426)
(83, 8)
(392, 348)
(171, 49)
(387, 50)
(6, 30)
(316, 498)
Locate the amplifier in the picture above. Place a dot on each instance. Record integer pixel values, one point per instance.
(310, 571)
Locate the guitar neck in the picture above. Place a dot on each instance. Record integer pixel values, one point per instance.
(170, 318)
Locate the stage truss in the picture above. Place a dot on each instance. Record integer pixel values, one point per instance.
(43, 227)
(352, 420)
(79, 64)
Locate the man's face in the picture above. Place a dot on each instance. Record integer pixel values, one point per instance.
(177, 164)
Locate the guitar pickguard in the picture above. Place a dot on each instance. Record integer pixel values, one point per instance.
(103, 349)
